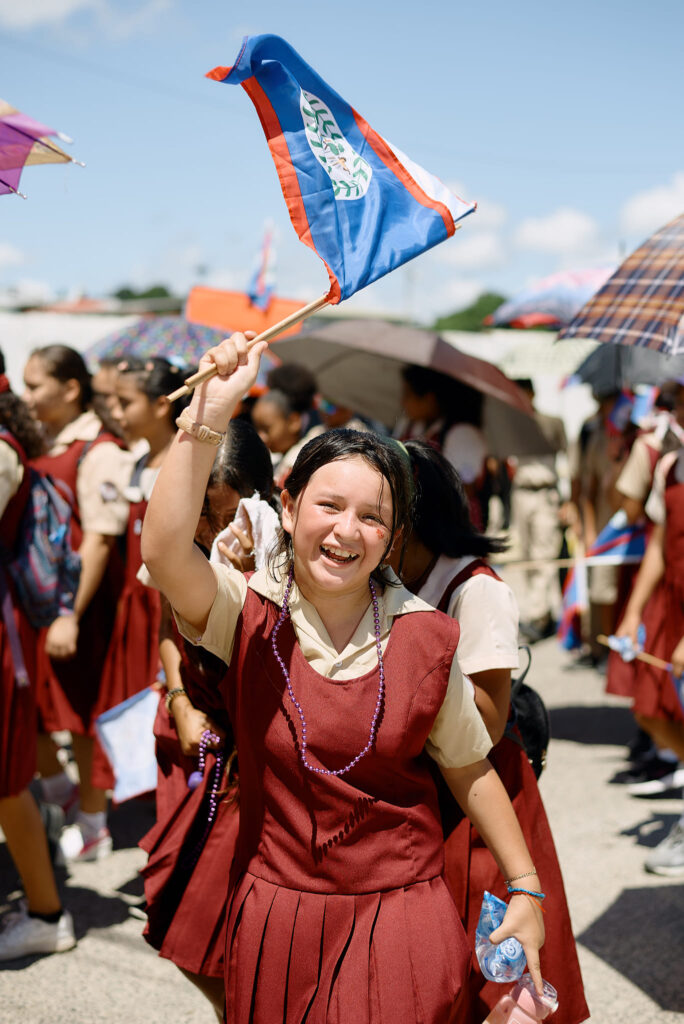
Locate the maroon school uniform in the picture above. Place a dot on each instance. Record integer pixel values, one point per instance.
(339, 910)
(470, 869)
(663, 617)
(68, 691)
(18, 722)
(186, 881)
(132, 659)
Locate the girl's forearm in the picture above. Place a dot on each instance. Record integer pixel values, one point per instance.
(482, 796)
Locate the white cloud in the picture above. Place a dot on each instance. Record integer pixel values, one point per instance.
(565, 232)
(111, 18)
(10, 256)
(456, 294)
(473, 250)
(28, 14)
(647, 211)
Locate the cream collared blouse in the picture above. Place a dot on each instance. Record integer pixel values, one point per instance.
(103, 474)
(458, 736)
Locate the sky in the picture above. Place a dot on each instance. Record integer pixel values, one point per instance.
(564, 122)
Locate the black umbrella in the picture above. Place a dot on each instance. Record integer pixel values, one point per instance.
(613, 367)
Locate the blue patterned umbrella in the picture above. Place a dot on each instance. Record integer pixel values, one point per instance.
(173, 337)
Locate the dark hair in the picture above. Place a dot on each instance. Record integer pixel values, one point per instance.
(295, 381)
(441, 517)
(458, 402)
(382, 454)
(242, 462)
(156, 377)
(17, 419)
(64, 363)
(279, 399)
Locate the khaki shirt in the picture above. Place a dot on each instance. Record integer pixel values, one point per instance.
(103, 475)
(637, 476)
(458, 735)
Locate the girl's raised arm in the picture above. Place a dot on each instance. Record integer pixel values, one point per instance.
(177, 566)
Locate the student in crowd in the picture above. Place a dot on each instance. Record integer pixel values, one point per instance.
(72, 651)
(285, 417)
(39, 924)
(447, 413)
(187, 908)
(143, 413)
(337, 679)
(445, 562)
(657, 707)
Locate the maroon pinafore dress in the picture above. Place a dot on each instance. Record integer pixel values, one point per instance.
(663, 617)
(68, 691)
(18, 721)
(339, 911)
(186, 879)
(470, 869)
(132, 659)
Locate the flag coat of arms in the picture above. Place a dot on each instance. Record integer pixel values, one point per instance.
(362, 205)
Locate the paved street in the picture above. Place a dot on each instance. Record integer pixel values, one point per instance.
(629, 925)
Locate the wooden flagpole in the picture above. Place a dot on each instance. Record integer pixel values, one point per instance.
(267, 335)
(650, 659)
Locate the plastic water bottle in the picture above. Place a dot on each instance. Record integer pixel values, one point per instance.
(504, 962)
(522, 1005)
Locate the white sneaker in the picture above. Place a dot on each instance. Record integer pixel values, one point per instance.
(21, 935)
(668, 857)
(672, 780)
(73, 845)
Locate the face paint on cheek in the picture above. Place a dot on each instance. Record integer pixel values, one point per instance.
(380, 533)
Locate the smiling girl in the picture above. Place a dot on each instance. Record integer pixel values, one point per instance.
(338, 681)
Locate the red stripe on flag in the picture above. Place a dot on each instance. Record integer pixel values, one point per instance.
(287, 174)
(219, 74)
(384, 153)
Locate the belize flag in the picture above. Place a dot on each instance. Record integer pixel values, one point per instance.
(362, 205)
(618, 543)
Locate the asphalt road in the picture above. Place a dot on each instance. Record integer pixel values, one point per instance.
(629, 924)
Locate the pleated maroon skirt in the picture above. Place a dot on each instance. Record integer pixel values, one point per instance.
(392, 957)
(18, 716)
(470, 869)
(187, 880)
(655, 695)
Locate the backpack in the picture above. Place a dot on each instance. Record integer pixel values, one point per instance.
(531, 717)
(42, 565)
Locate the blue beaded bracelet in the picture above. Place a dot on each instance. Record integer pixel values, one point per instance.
(527, 892)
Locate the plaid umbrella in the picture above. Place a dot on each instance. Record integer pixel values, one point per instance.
(24, 141)
(643, 302)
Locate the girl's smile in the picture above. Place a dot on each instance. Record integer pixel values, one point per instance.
(340, 527)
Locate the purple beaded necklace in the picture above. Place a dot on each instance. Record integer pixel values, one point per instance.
(194, 781)
(284, 612)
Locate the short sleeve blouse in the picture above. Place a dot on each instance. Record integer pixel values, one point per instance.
(458, 735)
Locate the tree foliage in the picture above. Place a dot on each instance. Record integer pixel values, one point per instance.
(157, 291)
(470, 319)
